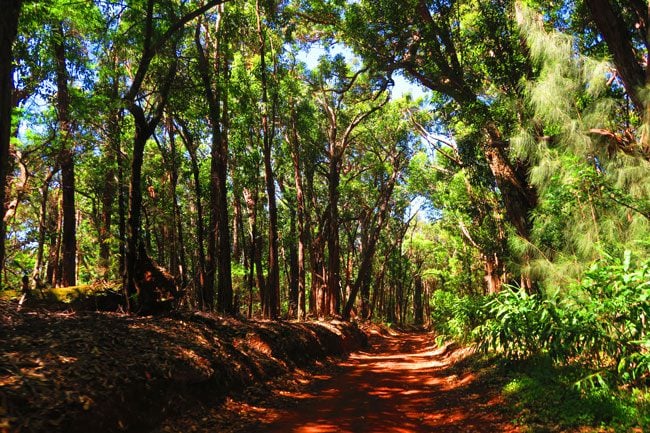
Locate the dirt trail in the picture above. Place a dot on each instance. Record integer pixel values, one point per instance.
(401, 384)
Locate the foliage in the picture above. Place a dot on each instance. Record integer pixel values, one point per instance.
(543, 397)
(455, 317)
(601, 324)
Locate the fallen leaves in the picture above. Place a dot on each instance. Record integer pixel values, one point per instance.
(91, 371)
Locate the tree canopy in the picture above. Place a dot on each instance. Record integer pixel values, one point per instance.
(258, 158)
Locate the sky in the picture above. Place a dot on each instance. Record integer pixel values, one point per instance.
(402, 85)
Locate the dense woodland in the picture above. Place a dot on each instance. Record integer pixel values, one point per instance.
(254, 157)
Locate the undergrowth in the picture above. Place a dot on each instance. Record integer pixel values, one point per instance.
(579, 356)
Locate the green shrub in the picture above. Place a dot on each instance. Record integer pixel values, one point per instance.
(600, 323)
(454, 316)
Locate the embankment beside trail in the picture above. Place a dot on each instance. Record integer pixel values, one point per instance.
(105, 372)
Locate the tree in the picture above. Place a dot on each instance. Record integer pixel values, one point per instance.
(347, 99)
(467, 53)
(385, 145)
(219, 249)
(152, 45)
(69, 238)
(271, 299)
(8, 31)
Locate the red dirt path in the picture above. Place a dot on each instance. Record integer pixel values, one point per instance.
(401, 384)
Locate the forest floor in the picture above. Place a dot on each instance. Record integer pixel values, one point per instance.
(75, 371)
(402, 383)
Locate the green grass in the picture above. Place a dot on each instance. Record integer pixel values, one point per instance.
(545, 398)
(65, 295)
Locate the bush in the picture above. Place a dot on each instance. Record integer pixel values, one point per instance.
(600, 323)
(454, 316)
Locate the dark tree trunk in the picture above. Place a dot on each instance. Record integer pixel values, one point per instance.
(300, 215)
(256, 272)
(42, 226)
(121, 208)
(224, 287)
(237, 225)
(67, 162)
(178, 253)
(418, 310)
(54, 254)
(108, 196)
(134, 222)
(219, 250)
(8, 31)
(333, 293)
(293, 267)
(109, 189)
(615, 30)
(271, 298)
(191, 150)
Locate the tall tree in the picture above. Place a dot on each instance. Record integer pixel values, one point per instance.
(271, 301)
(347, 98)
(69, 237)
(468, 53)
(154, 42)
(214, 75)
(8, 31)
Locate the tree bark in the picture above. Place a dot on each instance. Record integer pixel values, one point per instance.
(293, 266)
(271, 299)
(134, 221)
(418, 310)
(200, 236)
(300, 215)
(42, 226)
(219, 249)
(54, 254)
(614, 30)
(69, 240)
(8, 31)
(180, 266)
(333, 294)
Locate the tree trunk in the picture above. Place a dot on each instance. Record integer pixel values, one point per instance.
(42, 226)
(8, 31)
(237, 226)
(300, 215)
(293, 267)
(219, 253)
(191, 150)
(271, 298)
(67, 162)
(53, 263)
(134, 220)
(418, 310)
(333, 296)
(178, 253)
(493, 273)
(256, 273)
(225, 293)
(272, 293)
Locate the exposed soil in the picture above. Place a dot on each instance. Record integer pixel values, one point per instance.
(75, 372)
(402, 384)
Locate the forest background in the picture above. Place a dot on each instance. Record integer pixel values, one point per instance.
(182, 150)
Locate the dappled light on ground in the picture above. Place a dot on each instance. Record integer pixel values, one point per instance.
(403, 384)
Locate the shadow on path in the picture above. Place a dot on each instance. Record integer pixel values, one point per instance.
(402, 384)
